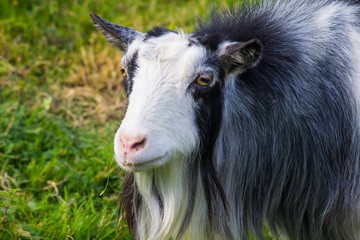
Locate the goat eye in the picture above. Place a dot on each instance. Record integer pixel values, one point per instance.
(204, 80)
(123, 71)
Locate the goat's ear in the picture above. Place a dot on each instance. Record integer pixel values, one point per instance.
(237, 56)
(119, 36)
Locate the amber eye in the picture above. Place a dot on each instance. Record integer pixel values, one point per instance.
(204, 80)
(122, 70)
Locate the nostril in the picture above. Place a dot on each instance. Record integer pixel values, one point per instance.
(138, 145)
(129, 144)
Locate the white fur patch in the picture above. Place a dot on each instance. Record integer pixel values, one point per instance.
(160, 107)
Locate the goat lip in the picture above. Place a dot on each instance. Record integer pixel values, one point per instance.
(144, 164)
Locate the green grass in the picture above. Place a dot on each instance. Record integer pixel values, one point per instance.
(61, 102)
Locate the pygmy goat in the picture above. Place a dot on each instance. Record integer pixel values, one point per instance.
(252, 119)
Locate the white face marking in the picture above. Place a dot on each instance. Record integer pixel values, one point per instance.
(160, 107)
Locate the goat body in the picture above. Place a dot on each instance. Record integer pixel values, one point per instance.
(251, 119)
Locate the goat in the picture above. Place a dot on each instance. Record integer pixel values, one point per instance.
(252, 119)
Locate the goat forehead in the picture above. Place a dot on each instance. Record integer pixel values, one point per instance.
(166, 47)
(168, 61)
(169, 47)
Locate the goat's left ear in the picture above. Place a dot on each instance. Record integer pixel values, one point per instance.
(117, 35)
(238, 56)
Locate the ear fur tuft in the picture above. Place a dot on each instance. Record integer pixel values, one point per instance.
(240, 55)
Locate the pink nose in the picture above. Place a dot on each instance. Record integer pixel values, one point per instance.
(131, 144)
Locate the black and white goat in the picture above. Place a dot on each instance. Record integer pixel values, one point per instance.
(252, 119)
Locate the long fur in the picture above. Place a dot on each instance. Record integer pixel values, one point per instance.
(296, 163)
(284, 145)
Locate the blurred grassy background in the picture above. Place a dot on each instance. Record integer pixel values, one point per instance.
(61, 101)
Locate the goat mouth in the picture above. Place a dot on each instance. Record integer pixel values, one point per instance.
(142, 165)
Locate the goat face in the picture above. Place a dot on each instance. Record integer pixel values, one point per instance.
(173, 84)
(159, 121)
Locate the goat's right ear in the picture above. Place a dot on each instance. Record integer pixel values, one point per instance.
(238, 56)
(117, 35)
